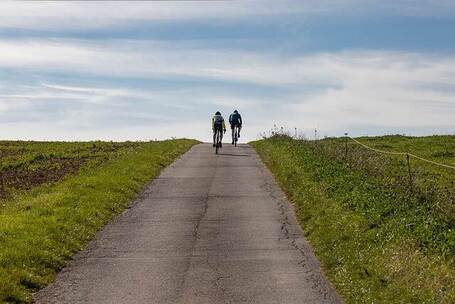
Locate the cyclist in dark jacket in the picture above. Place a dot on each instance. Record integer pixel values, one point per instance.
(235, 119)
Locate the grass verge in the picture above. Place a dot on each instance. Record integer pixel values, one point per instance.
(378, 241)
(42, 228)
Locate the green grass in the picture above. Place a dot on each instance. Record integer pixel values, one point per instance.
(42, 226)
(380, 237)
(25, 165)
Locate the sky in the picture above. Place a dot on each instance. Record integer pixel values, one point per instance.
(159, 69)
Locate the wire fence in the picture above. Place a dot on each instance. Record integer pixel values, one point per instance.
(402, 153)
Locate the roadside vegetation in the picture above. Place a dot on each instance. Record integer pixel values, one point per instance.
(55, 196)
(383, 233)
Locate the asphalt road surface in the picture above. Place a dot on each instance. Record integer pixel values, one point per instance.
(210, 229)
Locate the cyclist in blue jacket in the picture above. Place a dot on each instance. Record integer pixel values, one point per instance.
(235, 119)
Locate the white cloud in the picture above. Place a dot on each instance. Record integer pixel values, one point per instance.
(395, 90)
(140, 59)
(98, 14)
(334, 92)
(69, 15)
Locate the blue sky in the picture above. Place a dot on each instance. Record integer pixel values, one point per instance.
(152, 70)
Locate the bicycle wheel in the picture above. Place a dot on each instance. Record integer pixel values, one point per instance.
(217, 141)
(236, 136)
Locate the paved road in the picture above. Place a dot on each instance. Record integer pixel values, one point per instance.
(211, 229)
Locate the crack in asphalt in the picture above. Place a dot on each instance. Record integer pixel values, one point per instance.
(318, 280)
(196, 235)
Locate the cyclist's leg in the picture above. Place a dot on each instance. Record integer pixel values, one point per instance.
(221, 136)
(214, 136)
(233, 133)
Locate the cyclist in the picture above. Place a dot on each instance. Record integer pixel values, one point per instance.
(235, 119)
(218, 125)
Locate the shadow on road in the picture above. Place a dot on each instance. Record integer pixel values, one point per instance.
(229, 154)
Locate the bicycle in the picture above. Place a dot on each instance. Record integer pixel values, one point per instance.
(217, 140)
(236, 134)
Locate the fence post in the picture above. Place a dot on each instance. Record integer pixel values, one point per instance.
(346, 146)
(409, 171)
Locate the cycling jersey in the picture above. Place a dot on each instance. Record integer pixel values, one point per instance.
(235, 119)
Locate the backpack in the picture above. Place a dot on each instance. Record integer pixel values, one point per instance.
(218, 119)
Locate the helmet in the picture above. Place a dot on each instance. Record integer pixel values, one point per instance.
(217, 113)
(236, 112)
